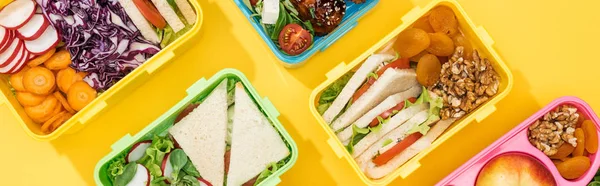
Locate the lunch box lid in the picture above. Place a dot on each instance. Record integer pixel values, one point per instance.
(200, 89)
(481, 40)
(353, 13)
(113, 95)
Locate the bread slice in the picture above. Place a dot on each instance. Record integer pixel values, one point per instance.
(376, 172)
(387, 104)
(187, 11)
(140, 21)
(255, 142)
(169, 14)
(353, 84)
(392, 81)
(201, 134)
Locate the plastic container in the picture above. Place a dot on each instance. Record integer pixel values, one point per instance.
(516, 141)
(350, 20)
(478, 38)
(110, 97)
(197, 91)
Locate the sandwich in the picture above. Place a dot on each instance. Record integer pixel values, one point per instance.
(228, 139)
(160, 21)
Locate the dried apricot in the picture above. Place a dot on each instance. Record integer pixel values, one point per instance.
(429, 69)
(65, 78)
(460, 40)
(574, 167)
(41, 59)
(418, 56)
(16, 80)
(28, 99)
(442, 20)
(423, 24)
(591, 136)
(42, 112)
(563, 151)
(580, 119)
(579, 134)
(556, 162)
(60, 60)
(440, 44)
(411, 42)
(39, 80)
(80, 94)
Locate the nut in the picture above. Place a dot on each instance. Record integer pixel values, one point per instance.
(553, 129)
(465, 84)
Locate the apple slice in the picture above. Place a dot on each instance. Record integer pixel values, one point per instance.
(34, 28)
(138, 150)
(166, 167)
(8, 55)
(141, 177)
(48, 40)
(203, 182)
(16, 14)
(15, 62)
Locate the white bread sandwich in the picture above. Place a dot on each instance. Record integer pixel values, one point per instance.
(255, 142)
(206, 128)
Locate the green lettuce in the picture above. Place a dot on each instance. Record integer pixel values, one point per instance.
(155, 154)
(435, 105)
(331, 92)
(116, 166)
(271, 169)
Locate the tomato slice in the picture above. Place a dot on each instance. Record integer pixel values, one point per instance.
(150, 13)
(397, 149)
(389, 112)
(293, 39)
(401, 63)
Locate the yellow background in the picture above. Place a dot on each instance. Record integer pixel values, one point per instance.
(550, 46)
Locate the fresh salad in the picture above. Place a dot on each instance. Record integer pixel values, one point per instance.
(293, 24)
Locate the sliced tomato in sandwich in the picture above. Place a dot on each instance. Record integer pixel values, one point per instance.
(400, 63)
(390, 111)
(397, 149)
(150, 13)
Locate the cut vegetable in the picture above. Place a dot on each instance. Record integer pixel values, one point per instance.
(80, 94)
(28, 99)
(51, 121)
(16, 14)
(34, 28)
(141, 177)
(397, 149)
(16, 80)
(60, 60)
(138, 150)
(47, 41)
(19, 64)
(63, 102)
(39, 80)
(10, 53)
(65, 78)
(4, 36)
(42, 112)
(15, 62)
(41, 59)
(59, 122)
(166, 167)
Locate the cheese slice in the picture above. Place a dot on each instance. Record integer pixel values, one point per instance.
(270, 12)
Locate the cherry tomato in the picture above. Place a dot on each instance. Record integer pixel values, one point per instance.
(185, 112)
(401, 63)
(397, 149)
(150, 13)
(253, 2)
(389, 112)
(293, 39)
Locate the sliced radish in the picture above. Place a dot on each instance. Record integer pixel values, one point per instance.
(166, 167)
(141, 177)
(4, 35)
(16, 62)
(34, 28)
(138, 150)
(47, 41)
(11, 52)
(21, 63)
(203, 182)
(10, 35)
(17, 13)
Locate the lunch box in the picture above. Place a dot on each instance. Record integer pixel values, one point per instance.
(478, 37)
(110, 97)
(320, 43)
(516, 141)
(197, 91)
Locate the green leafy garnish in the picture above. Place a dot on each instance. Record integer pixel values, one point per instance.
(272, 168)
(387, 142)
(435, 105)
(178, 160)
(331, 92)
(189, 169)
(373, 75)
(116, 167)
(155, 153)
(127, 176)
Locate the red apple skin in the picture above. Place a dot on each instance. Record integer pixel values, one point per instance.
(515, 169)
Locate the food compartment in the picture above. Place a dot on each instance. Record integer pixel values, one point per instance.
(353, 12)
(59, 63)
(475, 36)
(518, 140)
(197, 92)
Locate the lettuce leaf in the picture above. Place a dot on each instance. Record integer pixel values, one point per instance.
(272, 168)
(155, 154)
(435, 105)
(116, 167)
(331, 92)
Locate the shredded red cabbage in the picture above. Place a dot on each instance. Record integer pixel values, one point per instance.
(101, 38)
